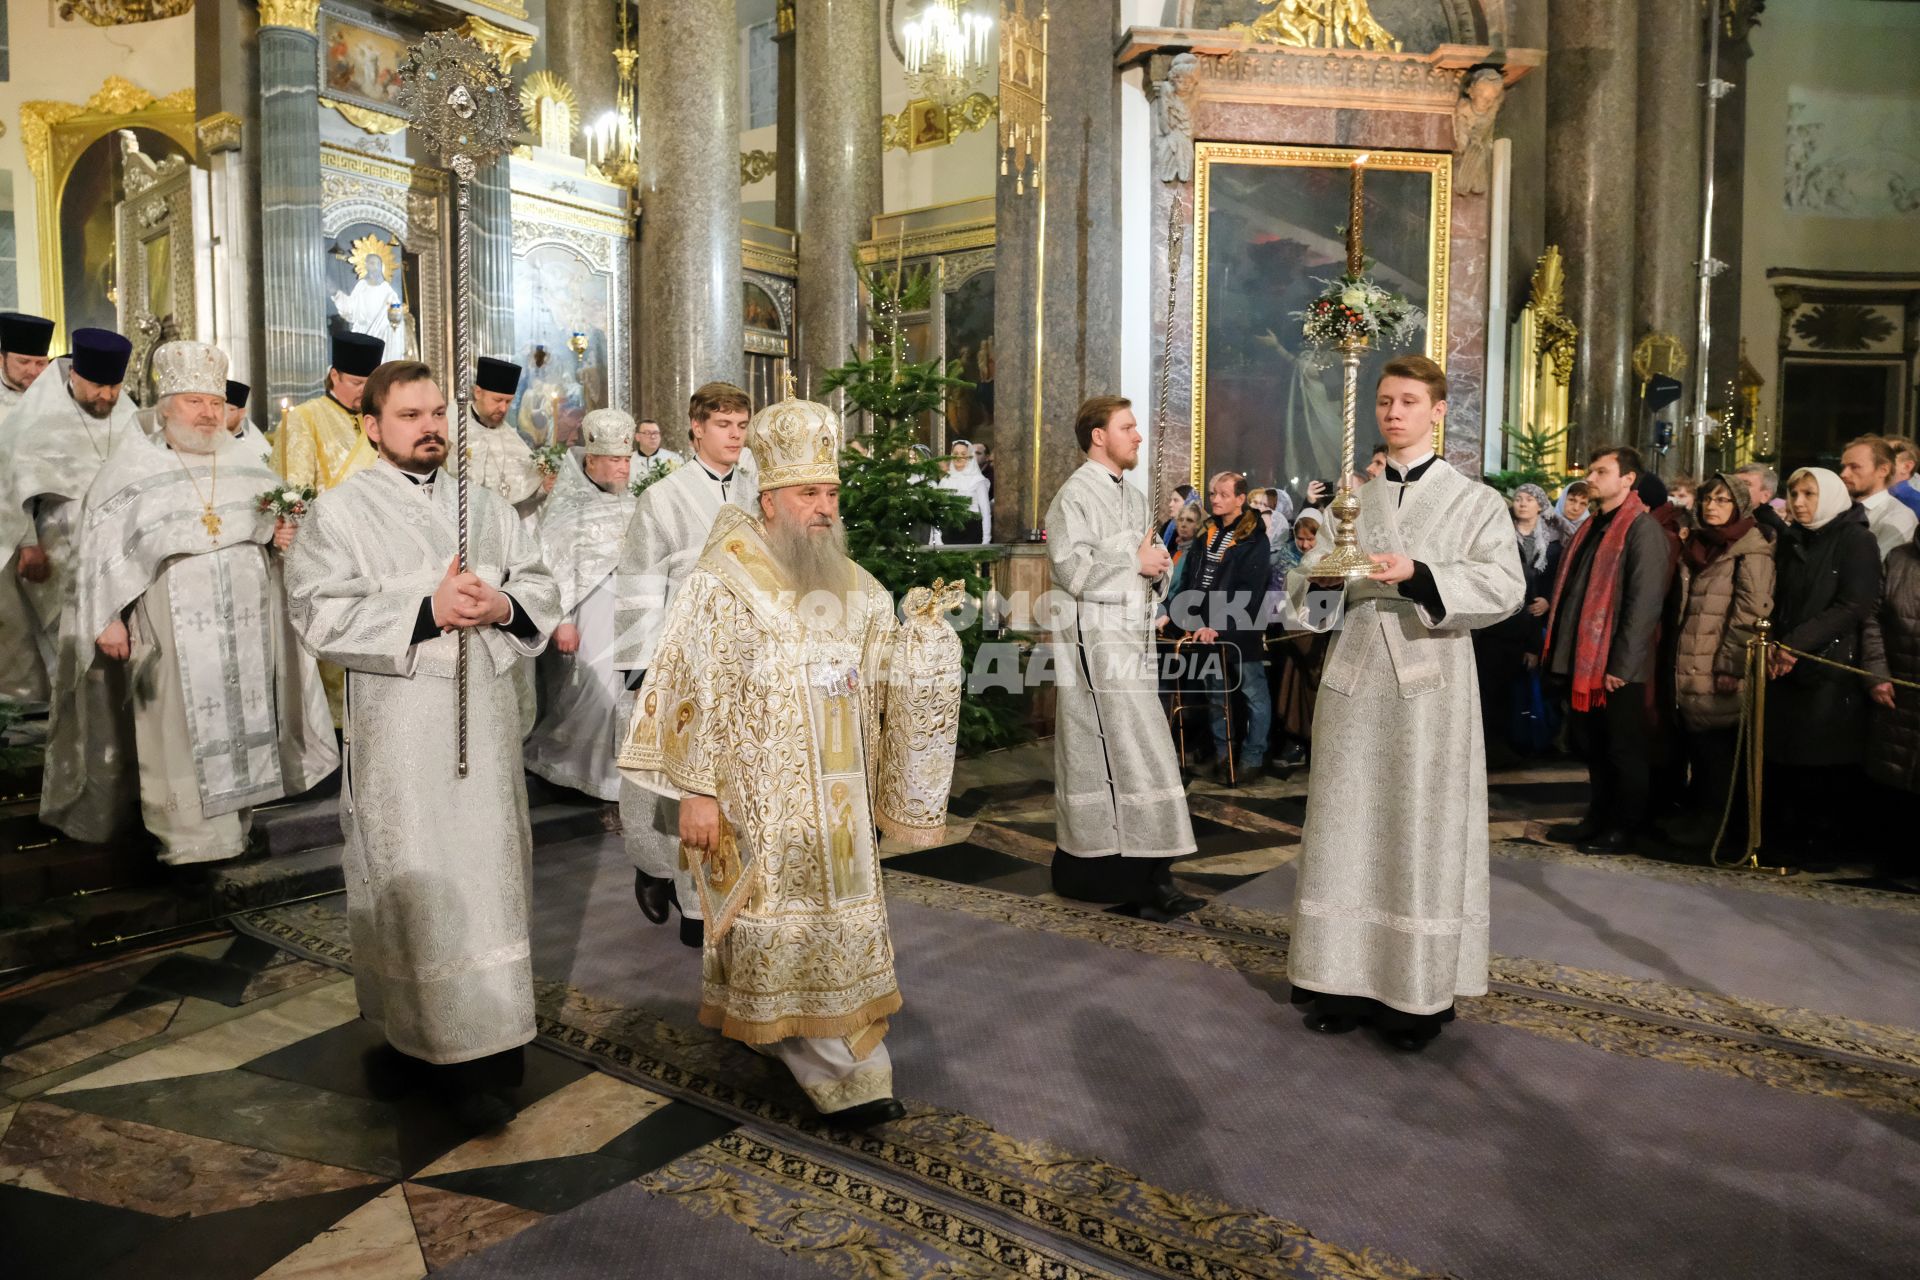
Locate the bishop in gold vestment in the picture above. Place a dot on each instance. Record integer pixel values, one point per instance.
(791, 716)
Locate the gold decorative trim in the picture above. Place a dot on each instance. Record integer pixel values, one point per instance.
(511, 47)
(1439, 260)
(1302, 24)
(506, 8)
(756, 166)
(347, 160)
(366, 119)
(219, 132)
(598, 219)
(758, 257)
(54, 135)
(957, 238)
(122, 13)
(976, 111)
(545, 86)
(301, 15)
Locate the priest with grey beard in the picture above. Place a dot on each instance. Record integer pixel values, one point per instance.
(178, 584)
(795, 722)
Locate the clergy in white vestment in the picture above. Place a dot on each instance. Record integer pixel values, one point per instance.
(960, 474)
(1390, 922)
(23, 354)
(1119, 804)
(239, 426)
(437, 865)
(175, 580)
(664, 538)
(648, 452)
(795, 721)
(583, 694)
(502, 461)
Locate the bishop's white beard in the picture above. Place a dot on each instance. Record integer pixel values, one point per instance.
(813, 560)
(190, 439)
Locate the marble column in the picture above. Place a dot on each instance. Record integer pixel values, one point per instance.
(1592, 82)
(1730, 166)
(580, 38)
(1523, 122)
(227, 99)
(1667, 182)
(689, 282)
(293, 279)
(838, 100)
(786, 128)
(1081, 354)
(493, 260)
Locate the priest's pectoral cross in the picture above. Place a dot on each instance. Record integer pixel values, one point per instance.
(210, 521)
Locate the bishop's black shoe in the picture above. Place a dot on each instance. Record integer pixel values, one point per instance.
(654, 895)
(1331, 1024)
(867, 1114)
(1170, 902)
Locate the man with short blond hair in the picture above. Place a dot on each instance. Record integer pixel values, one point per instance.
(1866, 468)
(663, 540)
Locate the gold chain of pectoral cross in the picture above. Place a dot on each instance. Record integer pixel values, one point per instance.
(207, 516)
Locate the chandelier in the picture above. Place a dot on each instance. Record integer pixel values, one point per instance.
(946, 46)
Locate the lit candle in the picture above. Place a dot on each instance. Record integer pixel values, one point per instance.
(1356, 257)
(553, 415)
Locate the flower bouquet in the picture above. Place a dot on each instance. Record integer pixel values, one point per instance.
(658, 469)
(547, 459)
(288, 502)
(1354, 311)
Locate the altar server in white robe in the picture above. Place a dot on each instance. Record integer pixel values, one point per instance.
(175, 579)
(437, 866)
(648, 452)
(664, 539)
(1120, 807)
(502, 461)
(1390, 922)
(586, 699)
(23, 355)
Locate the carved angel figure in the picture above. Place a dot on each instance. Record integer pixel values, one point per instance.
(1473, 118)
(1173, 121)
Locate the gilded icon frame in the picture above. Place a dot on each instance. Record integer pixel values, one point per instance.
(1211, 156)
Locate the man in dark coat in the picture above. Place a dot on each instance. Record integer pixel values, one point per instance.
(1601, 646)
(1219, 599)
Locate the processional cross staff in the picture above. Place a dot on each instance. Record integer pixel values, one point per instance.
(464, 107)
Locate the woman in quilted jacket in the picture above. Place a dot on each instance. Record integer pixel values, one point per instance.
(1725, 588)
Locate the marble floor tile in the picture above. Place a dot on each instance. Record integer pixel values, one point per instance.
(1243, 862)
(374, 1242)
(77, 1046)
(237, 1244)
(6, 1117)
(451, 1226)
(1230, 814)
(582, 1117)
(57, 1237)
(229, 1044)
(992, 835)
(139, 1166)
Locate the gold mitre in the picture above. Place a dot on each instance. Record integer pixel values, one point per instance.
(189, 368)
(795, 442)
(609, 433)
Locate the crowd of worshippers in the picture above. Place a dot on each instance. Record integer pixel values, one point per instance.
(214, 618)
(1630, 653)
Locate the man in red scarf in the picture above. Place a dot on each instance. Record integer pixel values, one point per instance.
(1600, 644)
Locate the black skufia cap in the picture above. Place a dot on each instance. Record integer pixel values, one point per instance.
(237, 394)
(357, 354)
(101, 355)
(1662, 391)
(24, 335)
(502, 377)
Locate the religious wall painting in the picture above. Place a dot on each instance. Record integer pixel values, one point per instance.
(761, 315)
(926, 125)
(1271, 224)
(373, 282)
(1852, 155)
(360, 62)
(88, 253)
(563, 311)
(970, 355)
(1419, 25)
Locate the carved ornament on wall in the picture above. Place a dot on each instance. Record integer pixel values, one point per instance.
(1842, 326)
(756, 166)
(976, 111)
(121, 13)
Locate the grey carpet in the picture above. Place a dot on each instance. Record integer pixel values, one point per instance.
(1858, 962)
(1498, 1153)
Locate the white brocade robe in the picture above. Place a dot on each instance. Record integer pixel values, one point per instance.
(1117, 779)
(583, 696)
(437, 866)
(227, 711)
(671, 520)
(502, 462)
(23, 673)
(1392, 900)
(808, 738)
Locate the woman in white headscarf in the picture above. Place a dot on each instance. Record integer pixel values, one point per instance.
(1827, 583)
(963, 476)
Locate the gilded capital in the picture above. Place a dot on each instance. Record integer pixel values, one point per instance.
(301, 15)
(511, 47)
(218, 132)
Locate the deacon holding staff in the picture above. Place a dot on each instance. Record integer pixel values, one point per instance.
(437, 865)
(1390, 923)
(176, 581)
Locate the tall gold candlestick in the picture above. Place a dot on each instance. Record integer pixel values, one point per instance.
(1356, 217)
